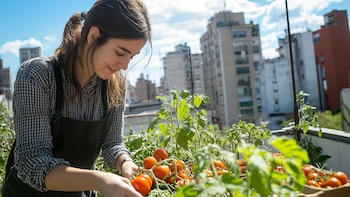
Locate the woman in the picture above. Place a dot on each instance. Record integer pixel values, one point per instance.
(69, 107)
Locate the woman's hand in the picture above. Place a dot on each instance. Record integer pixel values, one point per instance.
(128, 168)
(112, 185)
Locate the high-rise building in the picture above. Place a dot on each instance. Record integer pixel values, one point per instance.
(276, 84)
(178, 69)
(231, 57)
(28, 53)
(332, 49)
(5, 81)
(197, 73)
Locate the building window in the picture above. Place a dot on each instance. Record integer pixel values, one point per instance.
(244, 91)
(240, 34)
(256, 49)
(242, 70)
(246, 102)
(242, 61)
(244, 81)
(316, 38)
(247, 112)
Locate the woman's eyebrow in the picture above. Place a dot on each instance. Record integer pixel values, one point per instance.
(124, 49)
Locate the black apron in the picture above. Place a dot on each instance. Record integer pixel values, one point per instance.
(78, 142)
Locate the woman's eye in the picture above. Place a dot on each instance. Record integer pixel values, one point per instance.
(119, 54)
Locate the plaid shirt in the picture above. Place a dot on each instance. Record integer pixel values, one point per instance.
(33, 105)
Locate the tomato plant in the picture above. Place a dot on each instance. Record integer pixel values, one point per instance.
(182, 130)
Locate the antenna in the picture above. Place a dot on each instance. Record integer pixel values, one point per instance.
(224, 4)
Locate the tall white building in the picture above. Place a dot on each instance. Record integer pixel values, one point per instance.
(178, 69)
(231, 56)
(276, 85)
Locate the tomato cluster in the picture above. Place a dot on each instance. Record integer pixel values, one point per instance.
(322, 179)
(160, 168)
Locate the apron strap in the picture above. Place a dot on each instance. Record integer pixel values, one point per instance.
(59, 90)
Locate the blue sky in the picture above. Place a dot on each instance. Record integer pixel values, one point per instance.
(41, 23)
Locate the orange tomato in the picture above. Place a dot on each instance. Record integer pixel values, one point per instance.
(219, 164)
(240, 162)
(221, 172)
(331, 182)
(161, 171)
(149, 162)
(176, 163)
(147, 177)
(182, 175)
(313, 183)
(341, 176)
(141, 185)
(160, 154)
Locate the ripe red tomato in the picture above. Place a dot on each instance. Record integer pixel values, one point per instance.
(341, 176)
(219, 164)
(306, 169)
(312, 176)
(161, 171)
(141, 185)
(179, 165)
(149, 162)
(160, 154)
(331, 182)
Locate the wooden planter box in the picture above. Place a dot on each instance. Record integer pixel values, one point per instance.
(310, 191)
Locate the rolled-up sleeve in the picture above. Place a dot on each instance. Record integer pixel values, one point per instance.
(32, 114)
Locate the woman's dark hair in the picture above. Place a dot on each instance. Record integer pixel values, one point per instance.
(123, 19)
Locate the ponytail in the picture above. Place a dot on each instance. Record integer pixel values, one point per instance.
(68, 49)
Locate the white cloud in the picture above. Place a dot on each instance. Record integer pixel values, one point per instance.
(14, 46)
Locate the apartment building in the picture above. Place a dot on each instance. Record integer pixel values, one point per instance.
(231, 58)
(332, 50)
(276, 84)
(177, 67)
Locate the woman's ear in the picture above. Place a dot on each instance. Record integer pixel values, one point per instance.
(94, 33)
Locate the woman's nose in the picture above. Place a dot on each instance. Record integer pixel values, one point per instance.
(124, 64)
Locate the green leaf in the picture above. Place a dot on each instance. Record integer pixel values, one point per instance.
(197, 100)
(163, 128)
(183, 111)
(183, 137)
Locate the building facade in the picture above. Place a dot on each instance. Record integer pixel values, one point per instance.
(145, 90)
(276, 84)
(231, 56)
(27, 53)
(332, 50)
(5, 81)
(177, 67)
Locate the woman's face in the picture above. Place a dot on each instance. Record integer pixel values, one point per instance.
(115, 55)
